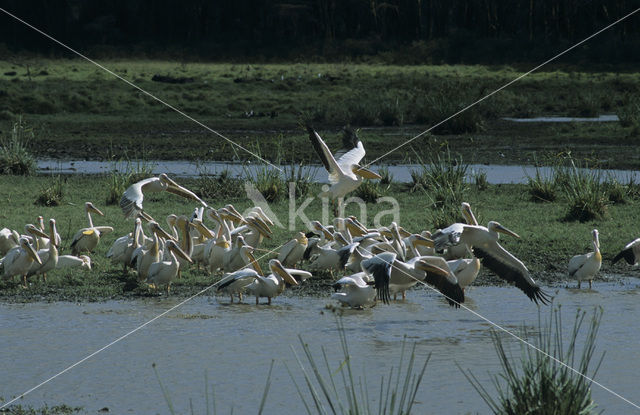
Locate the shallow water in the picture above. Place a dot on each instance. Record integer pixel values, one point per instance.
(235, 344)
(496, 173)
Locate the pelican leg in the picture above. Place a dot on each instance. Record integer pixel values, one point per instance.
(589, 284)
(231, 298)
(269, 302)
(24, 281)
(578, 284)
(404, 295)
(395, 296)
(256, 300)
(240, 296)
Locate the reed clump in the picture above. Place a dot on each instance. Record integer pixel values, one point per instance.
(536, 382)
(15, 157)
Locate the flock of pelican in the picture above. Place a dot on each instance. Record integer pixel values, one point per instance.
(379, 263)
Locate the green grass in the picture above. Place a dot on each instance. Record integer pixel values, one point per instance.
(535, 383)
(547, 240)
(78, 108)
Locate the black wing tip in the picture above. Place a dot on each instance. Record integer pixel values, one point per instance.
(628, 256)
(539, 296)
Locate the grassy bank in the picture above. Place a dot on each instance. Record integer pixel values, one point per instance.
(547, 241)
(80, 111)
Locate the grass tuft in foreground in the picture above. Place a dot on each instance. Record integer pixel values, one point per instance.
(537, 383)
(338, 391)
(15, 157)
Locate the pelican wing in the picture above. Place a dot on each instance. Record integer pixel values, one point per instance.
(442, 278)
(104, 229)
(286, 250)
(447, 237)
(510, 268)
(344, 254)
(352, 150)
(131, 201)
(329, 162)
(380, 267)
(630, 253)
(576, 262)
(244, 276)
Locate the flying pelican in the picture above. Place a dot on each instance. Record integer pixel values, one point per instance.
(345, 174)
(391, 275)
(586, 266)
(86, 239)
(291, 252)
(355, 290)
(273, 284)
(131, 202)
(19, 259)
(163, 272)
(630, 253)
(484, 242)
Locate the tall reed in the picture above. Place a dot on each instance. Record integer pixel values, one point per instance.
(536, 383)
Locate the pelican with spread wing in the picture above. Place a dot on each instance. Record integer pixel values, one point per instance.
(131, 201)
(484, 242)
(345, 174)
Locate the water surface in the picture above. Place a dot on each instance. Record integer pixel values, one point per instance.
(235, 344)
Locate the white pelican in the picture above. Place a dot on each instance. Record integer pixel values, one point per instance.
(345, 174)
(586, 266)
(144, 257)
(355, 290)
(131, 202)
(465, 269)
(236, 281)
(48, 256)
(392, 275)
(18, 260)
(273, 284)
(332, 259)
(86, 239)
(235, 258)
(291, 252)
(484, 242)
(71, 261)
(8, 239)
(163, 272)
(630, 253)
(121, 252)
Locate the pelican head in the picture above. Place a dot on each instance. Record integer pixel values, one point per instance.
(213, 215)
(86, 261)
(421, 240)
(320, 227)
(263, 215)
(90, 208)
(496, 227)
(157, 230)
(24, 243)
(235, 215)
(247, 256)
(596, 238)
(173, 247)
(260, 225)
(34, 231)
(199, 226)
(277, 268)
(225, 213)
(353, 228)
